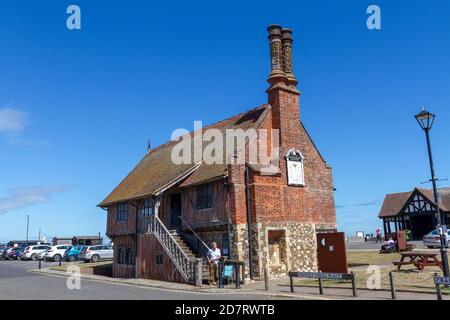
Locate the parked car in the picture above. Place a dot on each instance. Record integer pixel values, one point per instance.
(433, 239)
(55, 253)
(13, 253)
(96, 253)
(3, 252)
(40, 255)
(71, 254)
(30, 252)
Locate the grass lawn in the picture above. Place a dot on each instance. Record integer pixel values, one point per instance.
(406, 279)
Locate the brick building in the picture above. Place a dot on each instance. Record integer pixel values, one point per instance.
(163, 215)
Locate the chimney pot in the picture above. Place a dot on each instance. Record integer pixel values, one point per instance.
(286, 35)
(276, 55)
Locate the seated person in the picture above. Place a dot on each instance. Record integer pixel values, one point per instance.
(388, 245)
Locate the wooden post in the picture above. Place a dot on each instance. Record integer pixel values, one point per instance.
(320, 286)
(438, 288)
(355, 294)
(266, 279)
(198, 272)
(291, 279)
(391, 281)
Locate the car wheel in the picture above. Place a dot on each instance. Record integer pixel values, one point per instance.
(56, 257)
(33, 256)
(72, 258)
(95, 258)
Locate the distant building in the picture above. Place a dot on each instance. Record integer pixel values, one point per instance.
(414, 210)
(20, 243)
(81, 240)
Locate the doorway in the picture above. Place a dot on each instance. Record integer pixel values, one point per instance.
(175, 211)
(421, 225)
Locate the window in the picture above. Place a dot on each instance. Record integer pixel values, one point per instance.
(147, 208)
(204, 197)
(130, 256)
(159, 259)
(122, 212)
(121, 256)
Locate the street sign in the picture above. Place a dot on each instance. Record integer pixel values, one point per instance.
(442, 280)
(322, 275)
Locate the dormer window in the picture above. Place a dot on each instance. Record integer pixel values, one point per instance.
(295, 168)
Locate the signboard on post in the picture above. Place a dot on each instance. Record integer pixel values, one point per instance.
(442, 281)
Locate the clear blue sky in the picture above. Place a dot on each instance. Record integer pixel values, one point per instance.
(81, 104)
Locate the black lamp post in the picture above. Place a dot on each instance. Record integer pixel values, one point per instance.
(426, 120)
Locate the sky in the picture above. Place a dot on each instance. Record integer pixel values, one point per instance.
(77, 107)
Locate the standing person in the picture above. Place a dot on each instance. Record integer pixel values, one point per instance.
(213, 260)
(378, 232)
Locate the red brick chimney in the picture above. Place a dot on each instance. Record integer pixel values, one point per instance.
(282, 93)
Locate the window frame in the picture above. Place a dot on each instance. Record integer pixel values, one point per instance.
(205, 199)
(122, 212)
(148, 208)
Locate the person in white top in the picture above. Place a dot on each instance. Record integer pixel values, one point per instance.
(213, 256)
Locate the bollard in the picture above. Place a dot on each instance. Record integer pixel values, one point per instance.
(198, 272)
(291, 279)
(40, 260)
(320, 286)
(238, 276)
(59, 262)
(266, 279)
(391, 281)
(220, 266)
(355, 294)
(438, 288)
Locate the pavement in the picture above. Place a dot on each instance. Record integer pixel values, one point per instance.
(22, 280)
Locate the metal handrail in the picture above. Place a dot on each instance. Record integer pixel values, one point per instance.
(194, 233)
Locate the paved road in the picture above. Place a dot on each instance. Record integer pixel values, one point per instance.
(371, 245)
(17, 283)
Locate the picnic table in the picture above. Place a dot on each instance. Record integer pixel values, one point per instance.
(420, 259)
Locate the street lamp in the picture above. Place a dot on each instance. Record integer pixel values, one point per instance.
(426, 120)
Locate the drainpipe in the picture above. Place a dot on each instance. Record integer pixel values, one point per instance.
(136, 238)
(227, 185)
(249, 223)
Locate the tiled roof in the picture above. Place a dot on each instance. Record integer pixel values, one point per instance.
(157, 169)
(394, 202)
